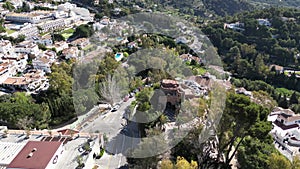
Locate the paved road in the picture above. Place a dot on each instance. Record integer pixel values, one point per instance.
(111, 124)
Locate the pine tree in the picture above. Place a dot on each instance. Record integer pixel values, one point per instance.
(294, 99)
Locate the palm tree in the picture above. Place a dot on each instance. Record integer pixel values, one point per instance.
(163, 119)
(5, 133)
(50, 132)
(72, 133)
(28, 133)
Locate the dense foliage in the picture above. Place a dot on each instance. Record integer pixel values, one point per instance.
(251, 53)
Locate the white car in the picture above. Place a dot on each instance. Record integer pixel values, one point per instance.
(115, 108)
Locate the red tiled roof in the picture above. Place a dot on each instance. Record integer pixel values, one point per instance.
(39, 159)
(67, 131)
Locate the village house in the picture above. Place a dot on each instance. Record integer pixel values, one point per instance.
(104, 21)
(173, 92)
(238, 26)
(71, 52)
(16, 83)
(42, 64)
(50, 151)
(264, 22)
(52, 25)
(27, 47)
(28, 82)
(49, 54)
(284, 118)
(45, 40)
(59, 46)
(189, 58)
(23, 17)
(19, 59)
(277, 68)
(287, 117)
(6, 47)
(7, 69)
(28, 30)
(81, 42)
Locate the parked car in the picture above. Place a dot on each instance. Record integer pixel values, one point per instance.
(131, 95)
(115, 108)
(126, 98)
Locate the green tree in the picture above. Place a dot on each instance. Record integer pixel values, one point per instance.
(277, 161)
(83, 31)
(8, 5)
(294, 99)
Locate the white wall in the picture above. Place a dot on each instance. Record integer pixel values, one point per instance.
(59, 154)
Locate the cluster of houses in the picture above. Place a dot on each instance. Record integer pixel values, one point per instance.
(239, 26)
(35, 22)
(286, 125)
(190, 88)
(24, 66)
(15, 74)
(14, 65)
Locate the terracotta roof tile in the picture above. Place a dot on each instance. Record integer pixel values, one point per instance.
(41, 151)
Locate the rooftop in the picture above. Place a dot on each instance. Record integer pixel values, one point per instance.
(8, 151)
(169, 84)
(67, 131)
(16, 81)
(35, 155)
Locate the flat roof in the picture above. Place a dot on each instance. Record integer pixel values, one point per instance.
(42, 152)
(8, 151)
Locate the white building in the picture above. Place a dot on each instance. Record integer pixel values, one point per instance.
(6, 47)
(66, 6)
(23, 17)
(45, 40)
(265, 22)
(19, 59)
(71, 52)
(42, 64)
(29, 30)
(8, 151)
(52, 25)
(7, 69)
(59, 46)
(30, 155)
(81, 42)
(27, 47)
(49, 54)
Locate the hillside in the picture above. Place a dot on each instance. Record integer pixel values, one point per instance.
(218, 7)
(228, 7)
(287, 3)
(200, 8)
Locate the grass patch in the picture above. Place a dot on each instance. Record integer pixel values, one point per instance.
(43, 34)
(198, 70)
(9, 31)
(201, 71)
(68, 31)
(67, 35)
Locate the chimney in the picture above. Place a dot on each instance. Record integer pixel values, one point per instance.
(30, 155)
(34, 149)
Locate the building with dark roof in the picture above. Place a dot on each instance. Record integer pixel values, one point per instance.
(37, 155)
(173, 92)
